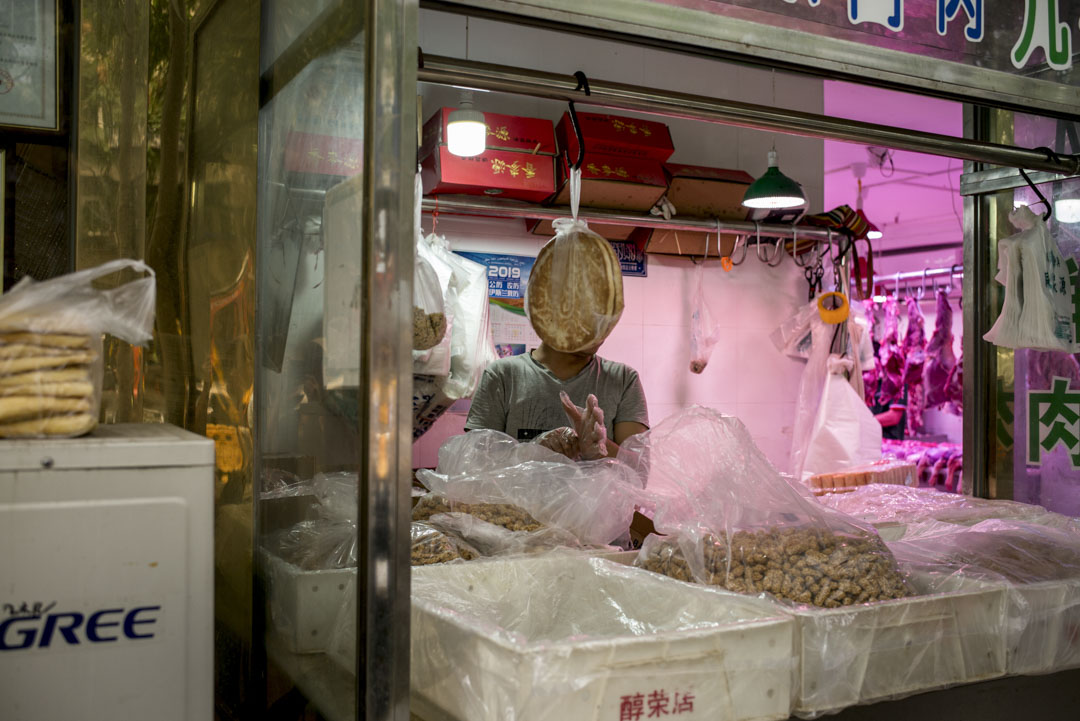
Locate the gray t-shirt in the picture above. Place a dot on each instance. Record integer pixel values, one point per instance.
(520, 397)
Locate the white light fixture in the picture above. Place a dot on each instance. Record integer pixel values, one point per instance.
(466, 133)
(1067, 210)
(874, 234)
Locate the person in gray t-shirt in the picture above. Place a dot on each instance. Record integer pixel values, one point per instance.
(520, 395)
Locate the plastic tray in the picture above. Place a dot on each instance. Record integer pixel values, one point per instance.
(875, 651)
(571, 655)
(304, 605)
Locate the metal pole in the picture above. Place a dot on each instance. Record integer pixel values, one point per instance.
(385, 393)
(467, 206)
(519, 81)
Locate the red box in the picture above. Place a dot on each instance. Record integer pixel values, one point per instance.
(494, 173)
(535, 136)
(614, 183)
(615, 135)
(323, 154)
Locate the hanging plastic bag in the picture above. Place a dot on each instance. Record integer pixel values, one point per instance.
(593, 500)
(731, 520)
(704, 332)
(1037, 312)
(575, 292)
(437, 275)
(51, 347)
(429, 313)
(845, 433)
(811, 386)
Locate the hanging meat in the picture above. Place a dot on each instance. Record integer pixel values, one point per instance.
(1046, 365)
(955, 387)
(892, 362)
(940, 358)
(871, 375)
(914, 353)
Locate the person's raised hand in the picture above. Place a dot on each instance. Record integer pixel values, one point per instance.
(588, 424)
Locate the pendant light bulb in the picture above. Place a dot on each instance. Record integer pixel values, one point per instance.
(466, 132)
(874, 234)
(774, 189)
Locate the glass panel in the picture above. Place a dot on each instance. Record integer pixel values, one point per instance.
(308, 372)
(1047, 452)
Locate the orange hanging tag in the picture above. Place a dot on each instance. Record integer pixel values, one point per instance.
(726, 263)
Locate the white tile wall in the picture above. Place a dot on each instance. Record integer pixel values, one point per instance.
(746, 376)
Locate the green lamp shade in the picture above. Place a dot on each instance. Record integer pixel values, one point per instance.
(774, 189)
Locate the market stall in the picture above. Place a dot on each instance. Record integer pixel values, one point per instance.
(749, 330)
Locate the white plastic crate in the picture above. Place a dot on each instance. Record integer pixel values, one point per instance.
(875, 651)
(304, 605)
(1043, 626)
(564, 637)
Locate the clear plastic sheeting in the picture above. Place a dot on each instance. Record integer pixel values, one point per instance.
(952, 632)
(887, 504)
(731, 520)
(1039, 568)
(604, 642)
(519, 486)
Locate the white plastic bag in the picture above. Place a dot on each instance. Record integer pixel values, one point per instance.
(593, 500)
(704, 332)
(1037, 312)
(51, 347)
(845, 432)
(435, 360)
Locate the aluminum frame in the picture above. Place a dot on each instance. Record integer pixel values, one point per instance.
(702, 32)
(522, 81)
(382, 609)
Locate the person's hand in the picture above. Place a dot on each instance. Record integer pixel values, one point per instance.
(561, 440)
(588, 424)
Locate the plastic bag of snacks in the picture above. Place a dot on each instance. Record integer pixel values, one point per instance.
(575, 293)
(433, 545)
(528, 488)
(731, 520)
(51, 346)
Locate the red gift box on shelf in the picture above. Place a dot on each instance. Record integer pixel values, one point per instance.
(323, 154)
(614, 183)
(495, 173)
(700, 192)
(535, 136)
(615, 135)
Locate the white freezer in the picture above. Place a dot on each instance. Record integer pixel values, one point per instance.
(106, 576)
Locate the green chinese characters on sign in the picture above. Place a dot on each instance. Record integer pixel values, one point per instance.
(1053, 420)
(1043, 29)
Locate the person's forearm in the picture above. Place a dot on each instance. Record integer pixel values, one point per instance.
(612, 448)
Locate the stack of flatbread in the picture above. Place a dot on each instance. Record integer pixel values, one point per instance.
(46, 386)
(575, 293)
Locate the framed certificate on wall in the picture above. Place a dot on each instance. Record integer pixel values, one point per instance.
(28, 64)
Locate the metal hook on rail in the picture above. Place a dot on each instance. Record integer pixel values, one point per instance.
(582, 84)
(922, 288)
(795, 249)
(757, 249)
(896, 287)
(778, 253)
(735, 247)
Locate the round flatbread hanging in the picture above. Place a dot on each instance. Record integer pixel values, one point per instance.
(575, 295)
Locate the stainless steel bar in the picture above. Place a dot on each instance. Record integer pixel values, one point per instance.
(385, 394)
(956, 271)
(520, 81)
(991, 181)
(466, 206)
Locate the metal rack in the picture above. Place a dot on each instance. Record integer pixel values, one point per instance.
(464, 205)
(920, 278)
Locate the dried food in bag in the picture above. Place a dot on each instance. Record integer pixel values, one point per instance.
(432, 545)
(525, 487)
(731, 520)
(575, 295)
(51, 347)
